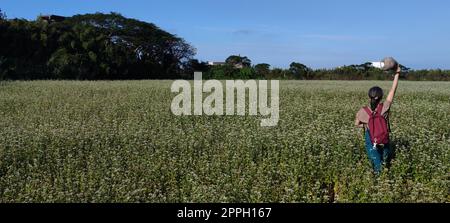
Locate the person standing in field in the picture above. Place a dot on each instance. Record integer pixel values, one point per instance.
(374, 119)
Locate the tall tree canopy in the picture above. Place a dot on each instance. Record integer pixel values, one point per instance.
(90, 46)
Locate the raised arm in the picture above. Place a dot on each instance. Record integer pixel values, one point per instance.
(391, 94)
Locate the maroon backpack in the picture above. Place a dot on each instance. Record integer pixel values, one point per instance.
(378, 128)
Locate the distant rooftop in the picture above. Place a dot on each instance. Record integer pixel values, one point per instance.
(213, 63)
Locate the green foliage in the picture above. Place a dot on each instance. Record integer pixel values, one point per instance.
(229, 71)
(246, 73)
(221, 72)
(262, 70)
(235, 60)
(299, 71)
(281, 74)
(90, 46)
(194, 65)
(103, 141)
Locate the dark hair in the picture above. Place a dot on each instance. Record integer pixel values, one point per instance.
(375, 95)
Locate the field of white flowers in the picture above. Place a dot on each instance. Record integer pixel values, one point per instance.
(74, 141)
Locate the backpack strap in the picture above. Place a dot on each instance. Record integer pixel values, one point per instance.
(379, 108)
(368, 111)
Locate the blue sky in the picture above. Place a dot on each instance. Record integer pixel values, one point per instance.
(318, 33)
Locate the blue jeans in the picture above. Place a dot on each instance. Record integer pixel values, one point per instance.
(379, 155)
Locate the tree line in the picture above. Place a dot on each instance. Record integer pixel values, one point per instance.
(112, 47)
(90, 46)
(235, 69)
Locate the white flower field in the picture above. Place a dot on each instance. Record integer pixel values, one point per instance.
(117, 141)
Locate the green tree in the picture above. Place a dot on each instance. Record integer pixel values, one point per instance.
(299, 71)
(194, 65)
(90, 46)
(262, 70)
(139, 48)
(237, 61)
(245, 73)
(279, 73)
(226, 71)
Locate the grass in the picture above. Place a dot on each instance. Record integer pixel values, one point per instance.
(117, 141)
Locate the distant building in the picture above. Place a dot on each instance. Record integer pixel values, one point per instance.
(52, 18)
(211, 63)
(238, 65)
